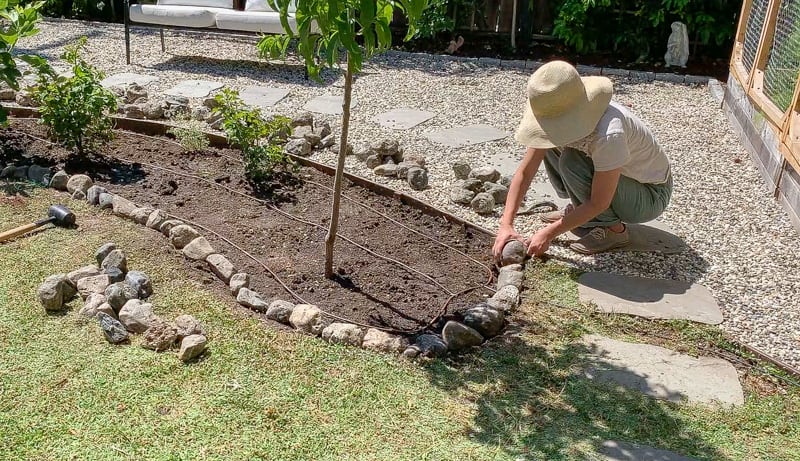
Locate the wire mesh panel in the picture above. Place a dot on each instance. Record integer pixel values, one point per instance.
(783, 62)
(752, 32)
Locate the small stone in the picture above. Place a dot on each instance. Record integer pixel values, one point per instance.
(122, 206)
(198, 249)
(191, 347)
(299, 147)
(374, 161)
(156, 219)
(308, 318)
(313, 139)
(513, 253)
(485, 174)
(119, 293)
(513, 278)
(221, 267)
(505, 181)
(113, 330)
(133, 111)
(505, 299)
(39, 174)
(403, 167)
(461, 169)
(364, 154)
(417, 178)
(385, 170)
(461, 196)
(140, 282)
(239, 281)
(458, 336)
(105, 201)
(79, 195)
(7, 94)
(497, 191)
(79, 182)
(137, 316)
(200, 113)
(343, 333)
(107, 309)
(103, 252)
(59, 180)
(280, 311)
(159, 337)
(114, 274)
(86, 271)
(411, 352)
(116, 258)
(472, 184)
(187, 325)
(482, 203)
(304, 119)
(24, 98)
(327, 141)
(385, 147)
(135, 92)
(300, 132)
(417, 159)
(93, 194)
(174, 101)
(484, 319)
(94, 284)
(382, 341)
(182, 235)
(211, 102)
(153, 110)
(167, 226)
(93, 302)
(431, 346)
(251, 299)
(323, 129)
(51, 292)
(141, 215)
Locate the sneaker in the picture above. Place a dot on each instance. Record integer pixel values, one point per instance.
(554, 216)
(601, 239)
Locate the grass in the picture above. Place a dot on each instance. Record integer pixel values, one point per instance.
(262, 393)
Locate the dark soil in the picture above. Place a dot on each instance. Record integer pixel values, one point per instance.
(367, 289)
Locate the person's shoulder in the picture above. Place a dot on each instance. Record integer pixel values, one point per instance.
(610, 123)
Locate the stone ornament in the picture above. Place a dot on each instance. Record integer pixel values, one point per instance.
(677, 46)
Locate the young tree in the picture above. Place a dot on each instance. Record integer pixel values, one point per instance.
(19, 21)
(324, 28)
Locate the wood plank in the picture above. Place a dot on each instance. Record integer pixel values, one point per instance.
(767, 34)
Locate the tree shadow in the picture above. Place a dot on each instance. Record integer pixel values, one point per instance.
(104, 168)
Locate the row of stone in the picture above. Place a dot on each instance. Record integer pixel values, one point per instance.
(386, 158)
(482, 189)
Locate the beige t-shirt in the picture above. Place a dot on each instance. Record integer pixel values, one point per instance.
(622, 140)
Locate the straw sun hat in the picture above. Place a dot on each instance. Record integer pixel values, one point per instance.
(562, 107)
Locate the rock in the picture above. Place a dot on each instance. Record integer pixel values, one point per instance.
(176, 102)
(417, 159)
(167, 226)
(250, 299)
(509, 277)
(24, 99)
(411, 352)
(122, 206)
(458, 336)
(59, 180)
(198, 249)
(403, 167)
(186, 325)
(461, 196)
(21, 172)
(8, 171)
(94, 284)
(382, 341)
(505, 299)
(373, 161)
(201, 113)
(93, 194)
(385, 170)
(153, 110)
(343, 333)
(105, 201)
(118, 294)
(417, 178)
(239, 281)
(79, 195)
(485, 174)
(482, 203)
(363, 154)
(301, 131)
(159, 337)
(497, 191)
(51, 292)
(116, 258)
(113, 330)
(86, 271)
(135, 92)
(101, 253)
(484, 319)
(211, 102)
(221, 267)
(156, 219)
(431, 346)
(304, 119)
(323, 129)
(461, 169)
(89, 308)
(137, 316)
(141, 215)
(192, 347)
(7, 94)
(107, 309)
(473, 185)
(300, 147)
(114, 274)
(505, 181)
(79, 182)
(134, 111)
(39, 174)
(385, 147)
(513, 253)
(308, 318)
(313, 139)
(327, 141)
(182, 235)
(140, 282)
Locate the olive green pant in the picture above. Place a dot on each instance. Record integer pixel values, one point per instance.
(571, 171)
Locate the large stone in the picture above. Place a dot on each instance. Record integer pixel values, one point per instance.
(387, 169)
(140, 282)
(513, 252)
(59, 180)
(510, 277)
(156, 219)
(304, 119)
(39, 174)
(505, 299)
(498, 192)
(280, 311)
(417, 178)
(93, 194)
(466, 135)
(403, 167)
(160, 336)
(343, 333)
(262, 96)
(153, 110)
(7, 94)
(51, 292)
(187, 325)
(431, 346)
(458, 336)
(382, 341)
(24, 98)
(192, 347)
(141, 215)
(221, 267)
(135, 92)
(486, 320)
(482, 203)
(181, 235)
(323, 129)
(239, 281)
(113, 330)
(194, 88)
(461, 169)
(90, 307)
(166, 226)
(116, 258)
(122, 206)
(298, 146)
(373, 161)
(308, 318)
(650, 298)
(105, 201)
(472, 184)
(79, 182)
(327, 141)
(461, 196)
(134, 111)
(328, 104)
(86, 271)
(485, 174)
(660, 372)
(623, 451)
(114, 274)
(198, 249)
(118, 294)
(107, 309)
(251, 299)
(403, 118)
(137, 316)
(104, 251)
(94, 284)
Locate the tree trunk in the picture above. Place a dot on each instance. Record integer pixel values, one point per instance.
(330, 239)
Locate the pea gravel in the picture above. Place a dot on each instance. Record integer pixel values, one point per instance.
(741, 243)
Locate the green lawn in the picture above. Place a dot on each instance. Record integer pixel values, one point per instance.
(65, 393)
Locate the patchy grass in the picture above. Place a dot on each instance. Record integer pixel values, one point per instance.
(265, 394)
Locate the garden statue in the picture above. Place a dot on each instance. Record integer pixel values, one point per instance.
(677, 46)
(454, 45)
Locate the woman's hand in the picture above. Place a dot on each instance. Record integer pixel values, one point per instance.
(538, 243)
(504, 234)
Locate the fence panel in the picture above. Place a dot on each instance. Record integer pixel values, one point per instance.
(752, 32)
(783, 63)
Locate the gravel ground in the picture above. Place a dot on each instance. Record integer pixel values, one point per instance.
(741, 243)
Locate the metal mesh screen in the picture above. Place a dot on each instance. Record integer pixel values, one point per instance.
(783, 62)
(752, 32)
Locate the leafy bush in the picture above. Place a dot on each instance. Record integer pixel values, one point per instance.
(19, 21)
(259, 139)
(436, 19)
(190, 135)
(76, 109)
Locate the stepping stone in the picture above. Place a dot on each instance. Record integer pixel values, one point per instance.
(653, 237)
(623, 451)
(403, 118)
(262, 96)
(661, 373)
(328, 104)
(127, 78)
(650, 298)
(544, 191)
(466, 135)
(194, 88)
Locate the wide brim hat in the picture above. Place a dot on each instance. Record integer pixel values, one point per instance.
(562, 106)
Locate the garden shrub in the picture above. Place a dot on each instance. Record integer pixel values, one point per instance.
(190, 135)
(76, 109)
(18, 22)
(259, 139)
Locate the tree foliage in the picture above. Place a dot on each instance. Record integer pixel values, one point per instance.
(18, 22)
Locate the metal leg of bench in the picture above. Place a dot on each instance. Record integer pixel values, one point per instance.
(163, 47)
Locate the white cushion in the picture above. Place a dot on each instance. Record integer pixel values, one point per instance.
(208, 3)
(183, 16)
(253, 21)
(262, 5)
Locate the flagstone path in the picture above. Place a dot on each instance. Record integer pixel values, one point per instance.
(194, 88)
(466, 135)
(262, 96)
(328, 104)
(403, 118)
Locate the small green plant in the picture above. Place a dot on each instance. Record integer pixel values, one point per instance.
(259, 139)
(190, 135)
(18, 22)
(76, 109)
